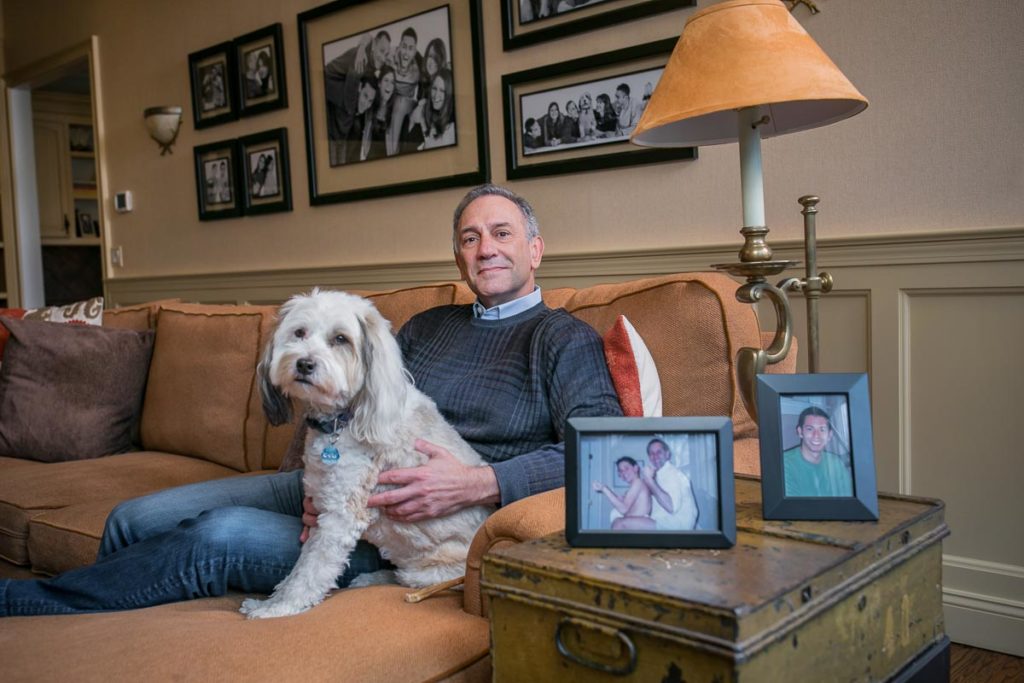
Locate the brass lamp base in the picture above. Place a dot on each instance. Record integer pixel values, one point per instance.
(756, 265)
(752, 362)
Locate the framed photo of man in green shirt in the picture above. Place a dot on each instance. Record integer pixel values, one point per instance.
(817, 458)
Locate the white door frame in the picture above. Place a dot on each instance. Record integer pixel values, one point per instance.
(20, 213)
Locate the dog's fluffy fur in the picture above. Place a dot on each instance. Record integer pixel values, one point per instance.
(333, 353)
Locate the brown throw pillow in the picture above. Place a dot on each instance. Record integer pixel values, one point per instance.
(71, 392)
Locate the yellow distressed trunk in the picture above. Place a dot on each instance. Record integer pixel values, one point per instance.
(811, 601)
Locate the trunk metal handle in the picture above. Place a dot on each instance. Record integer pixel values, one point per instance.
(624, 641)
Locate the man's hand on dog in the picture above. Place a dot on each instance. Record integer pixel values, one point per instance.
(440, 487)
(309, 517)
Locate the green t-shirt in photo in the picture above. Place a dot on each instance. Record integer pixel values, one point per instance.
(829, 478)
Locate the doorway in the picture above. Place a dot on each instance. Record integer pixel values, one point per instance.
(59, 223)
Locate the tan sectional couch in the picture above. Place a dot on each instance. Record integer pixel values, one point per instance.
(201, 419)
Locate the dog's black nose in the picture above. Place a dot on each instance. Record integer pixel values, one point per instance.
(305, 366)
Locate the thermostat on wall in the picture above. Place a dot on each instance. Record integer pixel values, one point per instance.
(123, 201)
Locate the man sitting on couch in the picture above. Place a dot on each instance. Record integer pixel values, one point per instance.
(506, 372)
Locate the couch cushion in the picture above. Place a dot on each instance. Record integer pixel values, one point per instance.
(694, 327)
(68, 537)
(135, 317)
(399, 305)
(71, 392)
(202, 399)
(365, 634)
(28, 490)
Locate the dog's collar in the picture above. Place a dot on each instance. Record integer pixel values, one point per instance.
(330, 425)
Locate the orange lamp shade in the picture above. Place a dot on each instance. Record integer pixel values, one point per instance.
(738, 54)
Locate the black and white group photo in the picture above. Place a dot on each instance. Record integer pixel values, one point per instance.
(585, 114)
(644, 483)
(534, 10)
(217, 181)
(390, 90)
(213, 84)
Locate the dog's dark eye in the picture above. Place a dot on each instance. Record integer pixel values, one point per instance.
(339, 340)
(300, 332)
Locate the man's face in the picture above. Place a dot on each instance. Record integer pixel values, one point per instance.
(815, 434)
(406, 50)
(366, 95)
(494, 255)
(658, 454)
(381, 47)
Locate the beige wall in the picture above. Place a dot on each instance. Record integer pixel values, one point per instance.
(938, 149)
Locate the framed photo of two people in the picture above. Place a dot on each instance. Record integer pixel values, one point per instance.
(658, 482)
(817, 457)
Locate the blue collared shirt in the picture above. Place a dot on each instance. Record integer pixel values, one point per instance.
(509, 308)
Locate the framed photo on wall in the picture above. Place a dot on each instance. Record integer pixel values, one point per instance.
(260, 74)
(266, 179)
(577, 116)
(528, 22)
(217, 180)
(393, 96)
(817, 455)
(613, 464)
(214, 86)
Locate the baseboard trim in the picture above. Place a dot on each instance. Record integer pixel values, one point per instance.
(979, 622)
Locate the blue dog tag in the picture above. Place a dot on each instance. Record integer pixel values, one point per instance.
(330, 455)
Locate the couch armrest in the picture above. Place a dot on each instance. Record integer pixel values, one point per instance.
(523, 520)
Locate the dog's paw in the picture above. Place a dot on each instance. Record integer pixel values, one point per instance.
(268, 609)
(377, 578)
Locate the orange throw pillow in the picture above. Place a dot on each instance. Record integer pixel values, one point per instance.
(633, 371)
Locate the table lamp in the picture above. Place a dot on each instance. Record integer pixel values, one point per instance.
(745, 70)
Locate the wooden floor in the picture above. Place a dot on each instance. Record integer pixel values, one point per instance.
(974, 665)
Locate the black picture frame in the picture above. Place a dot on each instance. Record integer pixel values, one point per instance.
(334, 174)
(517, 33)
(265, 176)
(214, 86)
(218, 180)
(594, 447)
(526, 92)
(260, 73)
(836, 413)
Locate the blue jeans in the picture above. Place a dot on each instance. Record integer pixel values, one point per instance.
(200, 540)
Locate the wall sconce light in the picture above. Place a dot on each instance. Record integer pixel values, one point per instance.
(744, 70)
(163, 124)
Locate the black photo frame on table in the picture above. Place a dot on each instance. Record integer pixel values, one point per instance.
(218, 180)
(699, 450)
(522, 23)
(828, 416)
(590, 84)
(259, 56)
(445, 147)
(214, 86)
(266, 180)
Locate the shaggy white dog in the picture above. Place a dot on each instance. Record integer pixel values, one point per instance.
(334, 353)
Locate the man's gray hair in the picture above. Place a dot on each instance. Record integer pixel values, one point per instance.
(532, 226)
